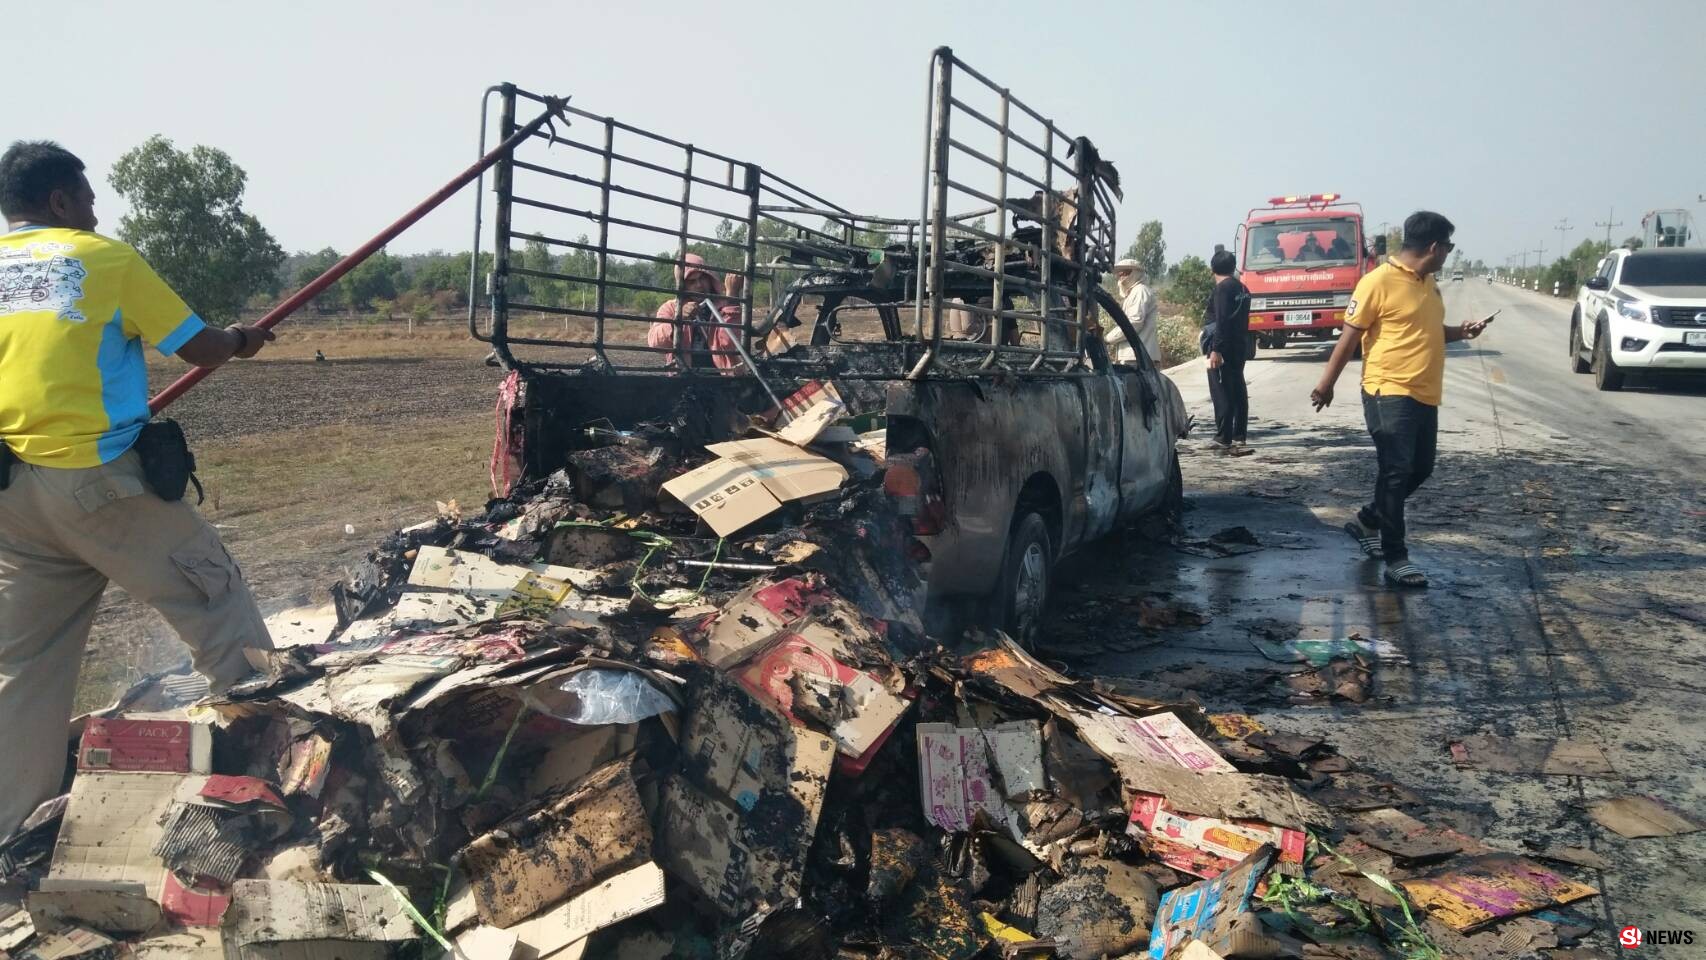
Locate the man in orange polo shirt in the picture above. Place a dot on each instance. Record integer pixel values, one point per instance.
(1401, 318)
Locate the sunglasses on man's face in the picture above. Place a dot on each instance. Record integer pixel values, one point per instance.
(1447, 246)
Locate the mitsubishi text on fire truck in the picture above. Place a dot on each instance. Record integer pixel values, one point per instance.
(1302, 256)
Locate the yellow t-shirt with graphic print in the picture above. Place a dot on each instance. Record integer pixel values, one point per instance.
(1402, 319)
(74, 309)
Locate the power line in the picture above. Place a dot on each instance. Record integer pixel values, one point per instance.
(1563, 228)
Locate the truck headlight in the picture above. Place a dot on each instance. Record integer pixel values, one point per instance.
(1634, 311)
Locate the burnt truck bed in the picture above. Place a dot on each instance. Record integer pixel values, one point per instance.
(1085, 455)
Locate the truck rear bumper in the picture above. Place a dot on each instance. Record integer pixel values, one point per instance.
(1320, 321)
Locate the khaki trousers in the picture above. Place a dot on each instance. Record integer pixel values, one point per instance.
(64, 534)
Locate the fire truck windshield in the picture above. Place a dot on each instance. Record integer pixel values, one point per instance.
(1310, 243)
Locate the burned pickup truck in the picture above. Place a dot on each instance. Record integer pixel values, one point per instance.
(962, 347)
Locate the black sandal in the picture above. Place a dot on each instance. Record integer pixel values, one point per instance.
(1406, 575)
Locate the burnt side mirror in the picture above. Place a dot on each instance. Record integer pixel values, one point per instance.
(1380, 246)
(1598, 283)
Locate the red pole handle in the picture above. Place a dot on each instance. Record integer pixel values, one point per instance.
(554, 108)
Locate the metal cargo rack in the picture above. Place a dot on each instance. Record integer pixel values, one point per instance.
(997, 275)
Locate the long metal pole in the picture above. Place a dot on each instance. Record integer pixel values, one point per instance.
(553, 109)
(503, 184)
(939, 151)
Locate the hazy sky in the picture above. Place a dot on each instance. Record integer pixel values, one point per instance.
(1504, 116)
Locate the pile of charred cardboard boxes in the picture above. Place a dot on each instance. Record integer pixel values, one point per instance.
(579, 725)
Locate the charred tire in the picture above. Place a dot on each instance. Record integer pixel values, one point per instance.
(1251, 341)
(1577, 348)
(1606, 375)
(1173, 504)
(1026, 575)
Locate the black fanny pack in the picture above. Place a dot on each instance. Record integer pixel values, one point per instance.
(167, 463)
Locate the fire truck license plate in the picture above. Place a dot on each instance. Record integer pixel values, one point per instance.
(1299, 318)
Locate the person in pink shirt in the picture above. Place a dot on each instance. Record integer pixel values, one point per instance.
(702, 344)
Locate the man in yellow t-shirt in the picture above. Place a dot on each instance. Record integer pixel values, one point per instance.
(76, 510)
(1398, 318)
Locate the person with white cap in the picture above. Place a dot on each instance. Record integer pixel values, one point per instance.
(1138, 302)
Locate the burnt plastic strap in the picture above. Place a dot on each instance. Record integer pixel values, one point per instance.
(414, 914)
(503, 748)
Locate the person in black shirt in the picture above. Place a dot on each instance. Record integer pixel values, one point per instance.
(1225, 341)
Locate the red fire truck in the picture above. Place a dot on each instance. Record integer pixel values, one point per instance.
(1302, 256)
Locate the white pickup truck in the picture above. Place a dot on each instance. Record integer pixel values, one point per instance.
(1641, 310)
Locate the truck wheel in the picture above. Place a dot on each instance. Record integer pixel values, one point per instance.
(1251, 341)
(1022, 594)
(1173, 506)
(1606, 376)
(1577, 348)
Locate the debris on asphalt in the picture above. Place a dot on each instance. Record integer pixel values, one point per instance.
(1473, 894)
(1204, 846)
(676, 700)
(1641, 816)
(1319, 652)
(1348, 679)
(1230, 542)
(1533, 755)
(1218, 913)
(1574, 855)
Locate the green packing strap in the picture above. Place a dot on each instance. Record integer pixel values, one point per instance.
(1411, 935)
(441, 904)
(654, 542)
(696, 594)
(1280, 890)
(409, 908)
(503, 748)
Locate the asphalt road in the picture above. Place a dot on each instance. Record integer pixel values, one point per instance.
(1512, 385)
(1563, 534)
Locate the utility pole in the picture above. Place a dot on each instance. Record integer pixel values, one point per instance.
(1609, 223)
(1563, 228)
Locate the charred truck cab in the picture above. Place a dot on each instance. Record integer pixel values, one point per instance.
(967, 336)
(1302, 257)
